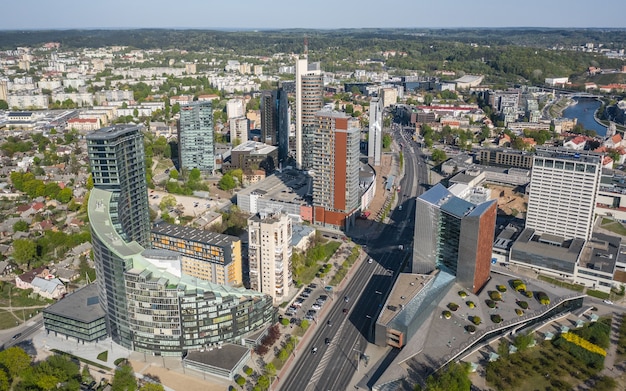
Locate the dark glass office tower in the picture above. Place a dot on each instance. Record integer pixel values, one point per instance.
(275, 121)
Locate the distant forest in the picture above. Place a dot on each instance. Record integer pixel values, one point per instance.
(513, 55)
(288, 41)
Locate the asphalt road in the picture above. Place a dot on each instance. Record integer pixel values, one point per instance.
(332, 366)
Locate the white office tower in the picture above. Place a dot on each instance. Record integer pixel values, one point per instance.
(235, 108)
(269, 254)
(562, 195)
(374, 143)
(309, 100)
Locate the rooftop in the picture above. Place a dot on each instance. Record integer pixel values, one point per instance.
(193, 234)
(83, 305)
(406, 288)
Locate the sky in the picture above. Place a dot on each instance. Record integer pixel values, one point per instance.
(316, 14)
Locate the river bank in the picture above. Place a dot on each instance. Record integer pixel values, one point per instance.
(585, 112)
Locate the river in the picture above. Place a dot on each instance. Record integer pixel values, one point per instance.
(584, 111)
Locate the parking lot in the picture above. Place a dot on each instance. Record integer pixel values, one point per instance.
(188, 205)
(308, 304)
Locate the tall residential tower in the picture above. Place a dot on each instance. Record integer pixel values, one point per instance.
(196, 147)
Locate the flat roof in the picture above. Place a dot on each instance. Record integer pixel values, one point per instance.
(193, 234)
(601, 253)
(227, 357)
(82, 305)
(529, 242)
(289, 186)
(255, 148)
(112, 132)
(406, 288)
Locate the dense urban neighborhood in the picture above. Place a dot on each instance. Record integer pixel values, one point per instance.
(380, 209)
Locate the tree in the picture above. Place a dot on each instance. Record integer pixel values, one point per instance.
(4, 381)
(263, 382)
(64, 195)
(439, 156)
(194, 175)
(386, 141)
(15, 360)
(4, 105)
(24, 251)
(227, 182)
(124, 379)
(174, 174)
(241, 381)
(169, 201)
(20, 226)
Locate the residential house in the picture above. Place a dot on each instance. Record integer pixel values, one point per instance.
(50, 288)
(25, 280)
(577, 143)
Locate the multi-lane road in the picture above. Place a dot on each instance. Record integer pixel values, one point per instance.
(333, 365)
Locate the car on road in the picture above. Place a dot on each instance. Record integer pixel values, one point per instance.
(327, 341)
(328, 323)
(345, 310)
(314, 350)
(369, 260)
(16, 336)
(607, 302)
(346, 299)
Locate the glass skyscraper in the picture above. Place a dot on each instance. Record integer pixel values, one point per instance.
(117, 160)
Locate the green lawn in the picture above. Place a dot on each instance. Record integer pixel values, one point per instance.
(562, 284)
(613, 226)
(7, 320)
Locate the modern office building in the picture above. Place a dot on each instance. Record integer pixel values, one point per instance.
(269, 253)
(253, 155)
(117, 161)
(150, 304)
(335, 168)
(374, 142)
(204, 254)
(454, 235)
(275, 121)
(196, 147)
(562, 193)
(309, 100)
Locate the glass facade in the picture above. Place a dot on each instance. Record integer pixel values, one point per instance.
(196, 138)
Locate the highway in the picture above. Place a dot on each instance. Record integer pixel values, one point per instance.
(332, 366)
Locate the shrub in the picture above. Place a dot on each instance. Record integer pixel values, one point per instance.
(518, 285)
(476, 320)
(470, 328)
(543, 298)
(528, 294)
(103, 356)
(447, 314)
(519, 312)
(490, 303)
(284, 322)
(453, 306)
(248, 371)
(523, 304)
(471, 304)
(495, 295)
(496, 318)
(501, 288)
(462, 294)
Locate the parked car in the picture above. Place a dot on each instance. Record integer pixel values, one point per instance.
(316, 307)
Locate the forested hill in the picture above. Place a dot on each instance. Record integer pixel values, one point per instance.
(268, 41)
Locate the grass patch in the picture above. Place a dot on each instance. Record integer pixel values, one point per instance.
(7, 320)
(613, 226)
(562, 284)
(104, 356)
(95, 364)
(321, 252)
(598, 294)
(21, 297)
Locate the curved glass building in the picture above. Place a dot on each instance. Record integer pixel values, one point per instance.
(150, 305)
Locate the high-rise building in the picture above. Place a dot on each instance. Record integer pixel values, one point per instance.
(275, 121)
(269, 253)
(239, 129)
(117, 160)
(196, 148)
(562, 192)
(374, 142)
(309, 100)
(454, 235)
(335, 166)
(235, 108)
(151, 303)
